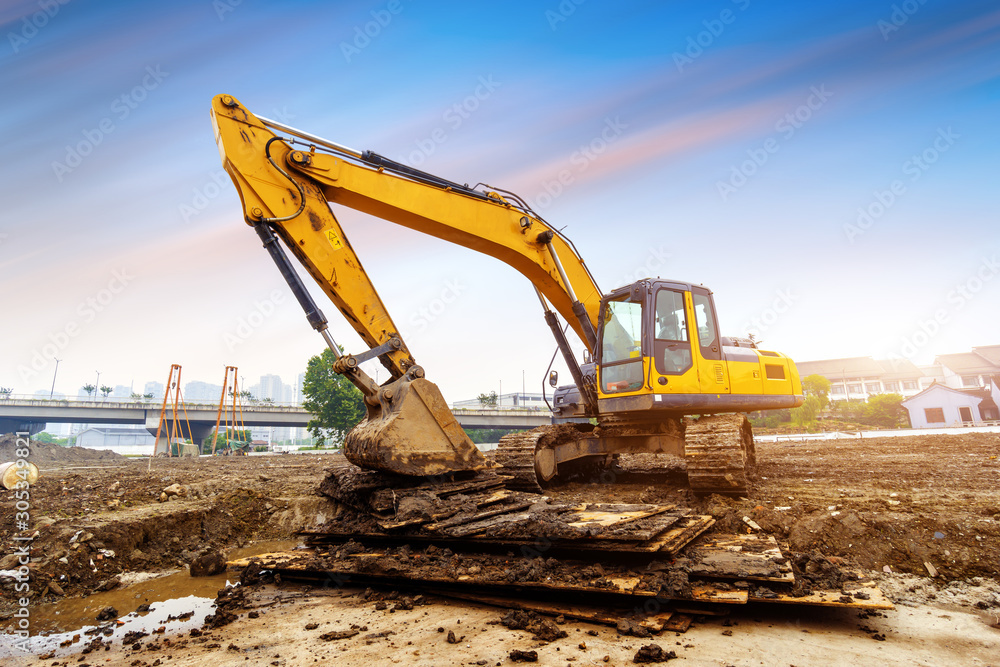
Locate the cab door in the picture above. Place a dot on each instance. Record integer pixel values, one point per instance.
(673, 360)
(713, 375)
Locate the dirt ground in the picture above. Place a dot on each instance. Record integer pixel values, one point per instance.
(900, 507)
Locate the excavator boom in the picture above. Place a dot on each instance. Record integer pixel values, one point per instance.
(286, 192)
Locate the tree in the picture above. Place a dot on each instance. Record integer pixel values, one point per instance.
(818, 386)
(336, 404)
(49, 438)
(805, 414)
(482, 435)
(105, 389)
(6, 391)
(488, 400)
(886, 411)
(89, 388)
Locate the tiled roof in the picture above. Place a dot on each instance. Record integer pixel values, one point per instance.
(967, 363)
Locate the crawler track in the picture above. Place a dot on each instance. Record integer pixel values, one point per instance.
(516, 453)
(719, 451)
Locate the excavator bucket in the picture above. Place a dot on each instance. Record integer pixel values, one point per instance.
(412, 432)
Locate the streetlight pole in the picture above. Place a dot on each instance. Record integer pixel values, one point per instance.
(53, 390)
(97, 387)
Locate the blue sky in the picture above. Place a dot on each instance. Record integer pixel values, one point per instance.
(828, 169)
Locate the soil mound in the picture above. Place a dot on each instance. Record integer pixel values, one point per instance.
(46, 455)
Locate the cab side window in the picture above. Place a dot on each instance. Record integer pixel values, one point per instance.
(671, 346)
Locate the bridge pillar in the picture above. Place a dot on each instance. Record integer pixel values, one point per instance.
(8, 425)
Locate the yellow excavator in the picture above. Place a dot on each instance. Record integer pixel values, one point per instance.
(655, 357)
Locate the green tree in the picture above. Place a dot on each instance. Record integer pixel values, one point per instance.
(105, 389)
(49, 438)
(5, 392)
(89, 388)
(818, 386)
(488, 400)
(481, 435)
(805, 414)
(886, 411)
(336, 404)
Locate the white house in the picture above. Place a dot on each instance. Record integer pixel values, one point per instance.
(940, 405)
(125, 441)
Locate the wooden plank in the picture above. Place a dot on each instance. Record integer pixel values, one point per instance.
(704, 592)
(752, 557)
(876, 598)
(675, 539)
(654, 622)
(678, 622)
(454, 522)
(631, 529)
(497, 496)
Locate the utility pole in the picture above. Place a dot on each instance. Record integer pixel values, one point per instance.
(97, 387)
(53, 390)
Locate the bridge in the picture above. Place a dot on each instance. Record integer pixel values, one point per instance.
(32, 414)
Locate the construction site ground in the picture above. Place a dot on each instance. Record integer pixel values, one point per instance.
(900, 509)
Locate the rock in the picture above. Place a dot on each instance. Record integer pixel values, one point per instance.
(523, 656)
(630, 628)
(107, 614)
(652, 653)
(164, 497)
(176, 490)
(56, 588)
(208, 564)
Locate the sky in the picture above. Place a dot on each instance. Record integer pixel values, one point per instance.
(828, 169)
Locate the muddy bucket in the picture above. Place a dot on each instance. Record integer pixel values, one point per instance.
(11, 474)
(414, 433)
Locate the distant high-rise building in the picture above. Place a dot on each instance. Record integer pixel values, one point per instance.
(299, 397)
(273, 388)
(121, 391)
(154, 388)
(202, 391)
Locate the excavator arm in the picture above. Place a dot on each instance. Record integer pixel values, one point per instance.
(286, 180)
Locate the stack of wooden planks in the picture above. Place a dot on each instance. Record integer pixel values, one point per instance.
(474, 538)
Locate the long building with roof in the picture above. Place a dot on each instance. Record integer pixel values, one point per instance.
(857, 378)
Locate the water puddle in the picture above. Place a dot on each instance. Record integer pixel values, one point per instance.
(175, 600)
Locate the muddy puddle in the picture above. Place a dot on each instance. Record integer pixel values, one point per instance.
(146, 603)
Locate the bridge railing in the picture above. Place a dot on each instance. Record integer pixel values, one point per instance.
(112, 402)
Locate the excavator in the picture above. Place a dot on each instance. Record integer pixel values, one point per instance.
(656, 378)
